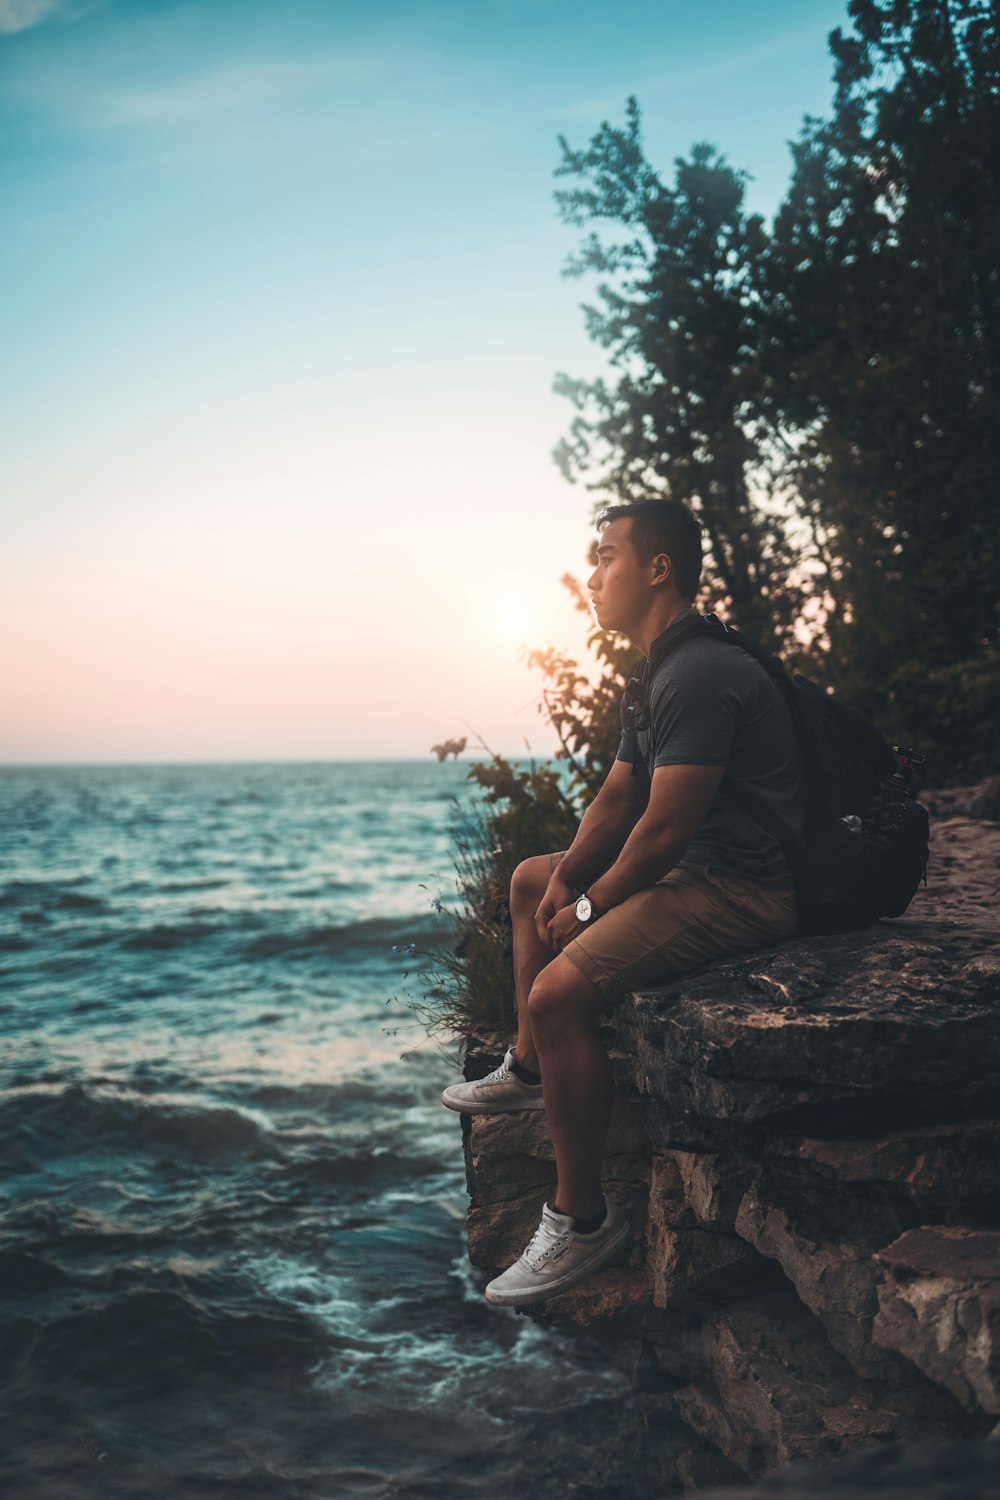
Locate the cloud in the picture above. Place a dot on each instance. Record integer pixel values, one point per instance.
(738, 62)
(226, 91)
(22, 15)
(19, 15)
(125, 87)
(695, 77)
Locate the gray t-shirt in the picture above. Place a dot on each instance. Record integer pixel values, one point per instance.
(710, 704)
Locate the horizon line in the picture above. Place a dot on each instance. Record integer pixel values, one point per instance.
(326, 760)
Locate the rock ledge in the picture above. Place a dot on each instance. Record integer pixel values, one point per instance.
(807, 1143)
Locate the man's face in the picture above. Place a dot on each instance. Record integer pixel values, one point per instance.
(620, 583)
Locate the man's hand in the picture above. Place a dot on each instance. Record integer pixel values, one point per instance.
(557, 895)
(563, 928)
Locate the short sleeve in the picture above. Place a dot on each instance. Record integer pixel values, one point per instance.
(626, 746)
(694, 712)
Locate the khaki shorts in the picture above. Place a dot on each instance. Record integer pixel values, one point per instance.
(691, 916)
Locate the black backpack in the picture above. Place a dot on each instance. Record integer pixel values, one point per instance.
(867, 836)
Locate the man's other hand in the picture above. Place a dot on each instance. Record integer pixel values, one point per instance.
(557, 895)
(563, 928)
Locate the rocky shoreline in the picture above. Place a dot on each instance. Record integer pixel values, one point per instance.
(807, 1143)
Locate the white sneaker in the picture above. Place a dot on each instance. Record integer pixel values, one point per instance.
(557, 1257)
(497, 1094)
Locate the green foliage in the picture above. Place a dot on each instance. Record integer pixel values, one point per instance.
(449, 747)
(527, 812)
(884, 301)
(955, 706)
(467, 978)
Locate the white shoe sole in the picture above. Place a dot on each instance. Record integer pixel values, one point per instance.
(484, 1107)
(524, 1296)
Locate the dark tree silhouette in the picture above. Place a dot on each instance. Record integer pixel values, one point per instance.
(883, 284)
(824, 393)
(679, 316)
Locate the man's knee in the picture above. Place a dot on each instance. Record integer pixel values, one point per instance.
(546, 1003)
(561, 997)
(528, 882)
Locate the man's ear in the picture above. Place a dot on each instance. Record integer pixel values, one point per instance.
(662, 569)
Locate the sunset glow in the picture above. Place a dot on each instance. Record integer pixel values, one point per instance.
(282, 307)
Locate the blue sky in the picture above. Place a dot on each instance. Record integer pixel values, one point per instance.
(281, 303)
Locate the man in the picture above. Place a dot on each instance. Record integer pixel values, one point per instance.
(667, 872)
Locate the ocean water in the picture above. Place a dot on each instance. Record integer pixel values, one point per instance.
(232, 1254)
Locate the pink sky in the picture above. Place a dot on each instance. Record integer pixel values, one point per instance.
(282, 308)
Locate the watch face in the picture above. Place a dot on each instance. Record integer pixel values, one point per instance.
(583, 909)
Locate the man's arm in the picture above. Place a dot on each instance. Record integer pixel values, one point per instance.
(679, 800)
(604, 828)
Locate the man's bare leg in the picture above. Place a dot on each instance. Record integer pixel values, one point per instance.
(579, 1083)
(530, 954)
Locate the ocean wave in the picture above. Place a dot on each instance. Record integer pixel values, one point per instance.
(259, 935)
(164, 936)
(25, 1275)
(350, 1168)
(321, 1099)
(335, 939)
(170, 887)
(147, 1337)
(41, 1122)
(49, 895)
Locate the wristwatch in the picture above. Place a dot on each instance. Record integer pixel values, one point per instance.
(585, 909)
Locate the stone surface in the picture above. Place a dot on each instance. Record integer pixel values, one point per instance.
(697, 1468)
(688, 1262)
(714, 1185)
(825, 1240)
(964, 870)
(936, 1167)
(898, 1023)
(786, 1394)
(981, 801)
(618, 1296)
(887, 1471)
(940, 1306)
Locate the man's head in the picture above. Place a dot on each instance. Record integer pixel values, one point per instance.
(648, 565)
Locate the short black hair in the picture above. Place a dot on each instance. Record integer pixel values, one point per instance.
(667, 526)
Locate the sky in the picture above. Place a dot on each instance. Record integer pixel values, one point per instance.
(281, 304)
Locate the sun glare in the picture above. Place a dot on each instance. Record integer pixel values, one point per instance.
(511, 620)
